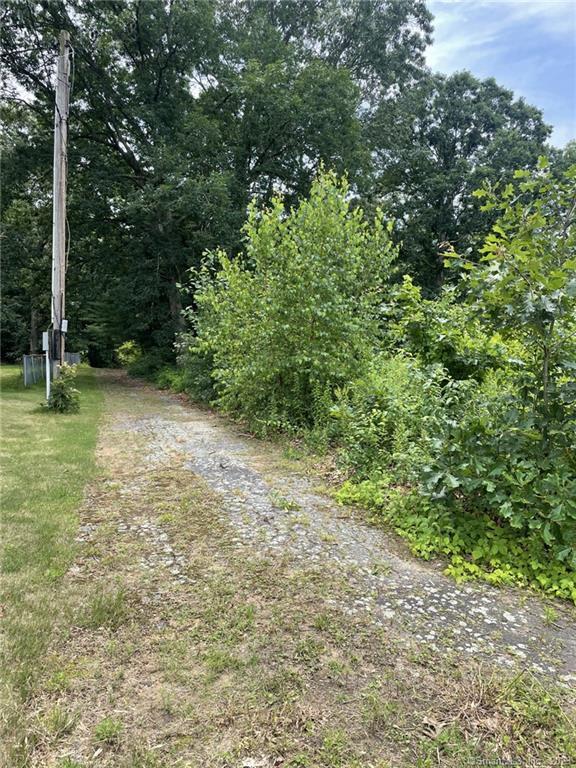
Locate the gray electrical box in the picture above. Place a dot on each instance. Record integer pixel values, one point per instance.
(45, 341)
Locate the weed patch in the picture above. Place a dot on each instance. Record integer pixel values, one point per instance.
(108, 731)
(107, 608)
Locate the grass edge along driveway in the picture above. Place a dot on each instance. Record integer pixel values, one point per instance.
(46, 460)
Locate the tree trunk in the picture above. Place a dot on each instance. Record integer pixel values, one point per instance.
(175, 303)
(33, 331)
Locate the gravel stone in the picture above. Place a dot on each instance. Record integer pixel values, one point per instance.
(503, 626)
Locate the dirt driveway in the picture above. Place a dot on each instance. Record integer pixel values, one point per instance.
(225, 613)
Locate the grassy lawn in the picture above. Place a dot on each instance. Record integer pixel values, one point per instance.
(46, 460)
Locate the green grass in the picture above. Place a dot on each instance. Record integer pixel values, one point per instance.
(107, 608)
(46, 460)
(108, 731)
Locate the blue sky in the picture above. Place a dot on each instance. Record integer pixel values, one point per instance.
(528, 46)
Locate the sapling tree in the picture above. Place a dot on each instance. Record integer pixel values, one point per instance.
(511, 453)
(64, 397)
(526, 281)
(296, 315)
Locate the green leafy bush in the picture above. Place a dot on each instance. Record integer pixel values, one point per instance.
(295, 316)
(496, 480)
(492, 461)
(148, 363)
(525, 285)
(128, 353)
(512, 456)
(171, 378)
(64, 397)
(145, 363)
(196, 365)
(384, 421)
(445, 331)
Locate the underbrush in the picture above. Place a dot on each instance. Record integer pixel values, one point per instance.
(398, 434)
(476, 547)
(191, 375)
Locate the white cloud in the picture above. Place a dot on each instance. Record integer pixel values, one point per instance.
(563, 133)
(557, 17)
(464, 30)
(527, 45)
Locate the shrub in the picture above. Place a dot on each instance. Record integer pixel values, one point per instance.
(446, 331)
(525, 285)
(196, 365)
(492, 461)
(496, 491)
(512, 455)
(128, 353)
(295, 316)
(383, 422)
(148, 363)
(171, 378)
(144, 363)
(64, 397)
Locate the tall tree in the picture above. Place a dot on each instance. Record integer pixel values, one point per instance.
(180, 112)
(434, 146)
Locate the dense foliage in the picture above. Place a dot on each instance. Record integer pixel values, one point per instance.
(181, 112)
(512, 455)
(295, 315)
(454, 418)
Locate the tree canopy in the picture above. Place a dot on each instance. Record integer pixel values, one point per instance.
(181, 112)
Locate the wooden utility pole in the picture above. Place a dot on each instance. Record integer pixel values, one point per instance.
(59, 200)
